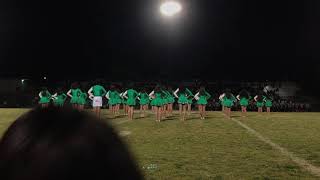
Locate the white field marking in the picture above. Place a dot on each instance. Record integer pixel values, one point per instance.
(121, 122)
(299, 161)
(125, 133)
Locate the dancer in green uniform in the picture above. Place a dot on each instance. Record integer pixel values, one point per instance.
(97, 92)
(74, 94)
(221, 101)
(144, 101)
(183, 95)
(118, 100)
(260, 98)
(124, 104)
(45, 97)
(114, 100)
(152, 97)
(268, 103)
(244, 98)
(202, 100)
(157, 101)
(59, 98)
(165, 102)
(228, 102)
(170, 98)
(131, 96)
(190, 101)
(82, 100)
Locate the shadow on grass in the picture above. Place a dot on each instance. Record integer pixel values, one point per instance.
(137, 118)
(193, 118)
(170, 119)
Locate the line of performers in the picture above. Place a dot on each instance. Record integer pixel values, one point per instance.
(161, 99)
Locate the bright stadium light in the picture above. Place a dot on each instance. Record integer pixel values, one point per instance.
(170, 8)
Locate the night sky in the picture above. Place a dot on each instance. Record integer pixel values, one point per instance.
(121, 40)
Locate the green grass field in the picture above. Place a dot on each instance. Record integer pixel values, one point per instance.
(217, 147)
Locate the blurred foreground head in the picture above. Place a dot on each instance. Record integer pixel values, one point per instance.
(60, 144)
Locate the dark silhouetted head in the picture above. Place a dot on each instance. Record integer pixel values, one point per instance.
(61, 144)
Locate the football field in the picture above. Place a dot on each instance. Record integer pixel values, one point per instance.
(275, 146)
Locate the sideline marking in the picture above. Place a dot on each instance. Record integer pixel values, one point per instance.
(125, 133)
(301, 162)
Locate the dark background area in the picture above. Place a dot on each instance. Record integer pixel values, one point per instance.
(129, 40)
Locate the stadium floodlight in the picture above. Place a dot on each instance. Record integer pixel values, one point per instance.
(170, 8)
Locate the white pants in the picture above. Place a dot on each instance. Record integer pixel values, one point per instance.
(97, 101)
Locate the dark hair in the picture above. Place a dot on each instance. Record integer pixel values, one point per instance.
(157, 89)
(63, 144)
(202, 91)
(112, 87)
(269, 96)
(59, 91)
(44, 91)
(244, 94)
(144, 90)
(260, 96)
(74, 85)
(182, 89)
(130, 85)
(97, 82)
(163, 87)
(228, 93)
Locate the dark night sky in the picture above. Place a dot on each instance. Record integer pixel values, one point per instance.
(211, 39)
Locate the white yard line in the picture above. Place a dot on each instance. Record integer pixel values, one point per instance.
(125, 133)
(299, 161)
(121, 122)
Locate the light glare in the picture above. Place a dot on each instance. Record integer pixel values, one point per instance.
(170, 8)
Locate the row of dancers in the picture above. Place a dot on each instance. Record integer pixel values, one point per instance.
(161, 99)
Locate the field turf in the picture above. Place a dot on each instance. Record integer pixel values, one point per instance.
(217, 147)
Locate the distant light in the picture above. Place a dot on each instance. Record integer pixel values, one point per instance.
(23, 80)
(170, 8)
(44, 78)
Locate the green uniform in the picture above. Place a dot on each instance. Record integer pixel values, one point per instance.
(261, 103)
(45, 97)
(170, 97)
(75, 93)
(123, 100)
(268, 102)
(98, 91)
(228, 102)
(165, 97)
(132, 95)
(191, 96)
(183, 97)
(203, 98)
(114, 98)
(244, 101)
(144, 99)
(83, 98)
(60, 99)
(157, 101)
